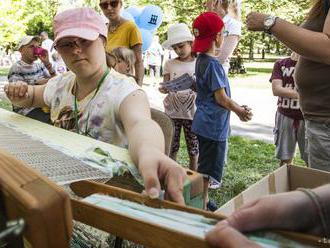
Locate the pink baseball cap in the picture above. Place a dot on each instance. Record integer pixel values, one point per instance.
(84, 23)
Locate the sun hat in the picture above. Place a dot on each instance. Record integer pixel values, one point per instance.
(177, 33)
(205, 28)
(26, 40)
(84, 23)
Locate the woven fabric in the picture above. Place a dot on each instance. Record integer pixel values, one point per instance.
(51, 163)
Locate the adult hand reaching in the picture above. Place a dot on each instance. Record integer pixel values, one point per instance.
(293, 211)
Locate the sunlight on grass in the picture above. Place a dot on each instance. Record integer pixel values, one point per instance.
(248, 162)
(5, 105)
(4, 71)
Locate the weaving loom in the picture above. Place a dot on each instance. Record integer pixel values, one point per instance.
(61, 156)
(55, 152)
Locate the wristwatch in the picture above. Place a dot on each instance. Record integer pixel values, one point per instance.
(269, 22)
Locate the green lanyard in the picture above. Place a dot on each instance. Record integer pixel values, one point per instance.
(76, 104)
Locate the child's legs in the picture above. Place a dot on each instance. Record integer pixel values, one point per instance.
(211, 161)
(285, 137)
(39, 115)
(157, 69)
(176, 139)
(152, 70)
(192, 144)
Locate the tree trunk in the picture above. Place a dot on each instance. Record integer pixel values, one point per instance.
(263, 53)
(277, 48)
(251, 49)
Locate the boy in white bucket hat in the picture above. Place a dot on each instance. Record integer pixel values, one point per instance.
(180, 105)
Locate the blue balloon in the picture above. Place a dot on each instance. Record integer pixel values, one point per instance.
(146, 39)
(127, 15)
(151, 17)
(134, 11)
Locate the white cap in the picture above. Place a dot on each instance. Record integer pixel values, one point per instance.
(177, 33)
(26, 40)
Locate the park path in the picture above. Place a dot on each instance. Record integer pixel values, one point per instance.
(3, 80)
(261, 100)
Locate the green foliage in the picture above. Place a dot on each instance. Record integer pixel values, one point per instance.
(4, 71)
(12, 24)
(293, 11)
(20, 17)
(39, 16)
(248, 162)
(5, 105)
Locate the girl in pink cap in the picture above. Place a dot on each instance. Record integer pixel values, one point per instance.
(99, 102)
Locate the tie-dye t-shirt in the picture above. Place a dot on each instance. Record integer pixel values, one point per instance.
(98, 117)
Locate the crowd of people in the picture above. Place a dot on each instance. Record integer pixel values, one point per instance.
(97, 93)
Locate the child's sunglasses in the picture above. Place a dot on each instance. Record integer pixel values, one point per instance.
(105, 5)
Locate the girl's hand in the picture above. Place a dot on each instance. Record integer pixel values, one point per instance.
(16, 91)
(158, 169)
(163, 90)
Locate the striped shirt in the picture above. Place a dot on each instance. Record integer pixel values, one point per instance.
(29, 73)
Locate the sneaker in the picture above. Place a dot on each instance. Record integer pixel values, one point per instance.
(211, 206)
(214, 185)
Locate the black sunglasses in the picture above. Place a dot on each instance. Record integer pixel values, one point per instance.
(105, 5)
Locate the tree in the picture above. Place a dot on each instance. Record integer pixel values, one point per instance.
(25, 17)
(33, 16)
(39, 15)
(293, 11)
(12, 23)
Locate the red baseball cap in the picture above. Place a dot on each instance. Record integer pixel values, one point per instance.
(205, 28)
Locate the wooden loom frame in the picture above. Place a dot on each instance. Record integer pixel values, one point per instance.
(140, 231)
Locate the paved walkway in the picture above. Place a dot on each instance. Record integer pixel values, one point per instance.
(261, 100)
(3, 80)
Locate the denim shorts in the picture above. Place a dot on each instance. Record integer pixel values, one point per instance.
(211, 158)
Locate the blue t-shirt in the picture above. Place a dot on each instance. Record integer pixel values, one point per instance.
(211, 120)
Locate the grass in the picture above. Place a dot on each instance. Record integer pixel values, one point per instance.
(5, 105)
(248, 162)
(256, 77)
(259, 70)
(4, 71)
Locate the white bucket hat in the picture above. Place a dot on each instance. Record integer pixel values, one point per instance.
(26, 40)
(177, 33)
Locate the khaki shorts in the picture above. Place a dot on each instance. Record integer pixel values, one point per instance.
(318, 145)
(287, 136)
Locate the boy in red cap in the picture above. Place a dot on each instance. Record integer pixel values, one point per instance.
(211, 120)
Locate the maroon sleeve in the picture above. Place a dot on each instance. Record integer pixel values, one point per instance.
(277, 72)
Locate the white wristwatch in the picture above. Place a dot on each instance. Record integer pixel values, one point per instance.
(269, 22)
